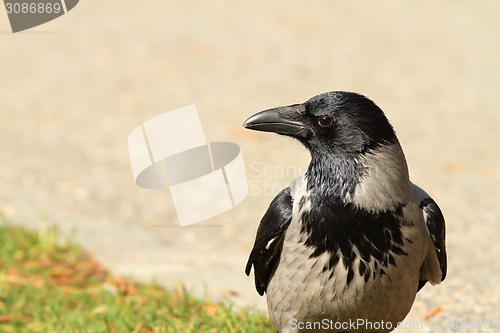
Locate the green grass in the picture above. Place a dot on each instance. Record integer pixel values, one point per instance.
(46, 287)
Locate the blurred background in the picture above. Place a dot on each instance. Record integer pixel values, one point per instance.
(73, 89)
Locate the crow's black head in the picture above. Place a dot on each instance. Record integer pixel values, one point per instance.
(336, 122)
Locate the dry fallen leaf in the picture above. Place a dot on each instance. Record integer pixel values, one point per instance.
(131, 289)
(60, 280)
(431, 313)
(6, 318)
(210, 309)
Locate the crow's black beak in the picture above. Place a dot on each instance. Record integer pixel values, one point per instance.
(275, 120)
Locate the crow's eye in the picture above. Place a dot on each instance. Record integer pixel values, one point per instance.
(325, 121)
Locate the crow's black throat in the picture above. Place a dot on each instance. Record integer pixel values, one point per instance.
(338, 227)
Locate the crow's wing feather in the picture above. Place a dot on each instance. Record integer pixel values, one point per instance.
(269, 240)
(434, 221)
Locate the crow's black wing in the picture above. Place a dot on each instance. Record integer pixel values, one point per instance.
(434, 220)
(269, 240)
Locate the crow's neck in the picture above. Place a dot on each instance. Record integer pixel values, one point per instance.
(346, 231)
(376, 180)
(334, 175)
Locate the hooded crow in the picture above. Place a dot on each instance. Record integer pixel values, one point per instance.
(346, 246)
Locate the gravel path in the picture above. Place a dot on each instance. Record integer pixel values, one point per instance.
(73, 89)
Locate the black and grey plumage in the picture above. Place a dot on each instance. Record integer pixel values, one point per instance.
(352, 238)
